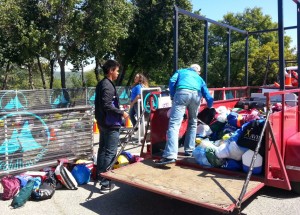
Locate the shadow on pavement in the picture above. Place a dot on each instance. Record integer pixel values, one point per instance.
(127, 200)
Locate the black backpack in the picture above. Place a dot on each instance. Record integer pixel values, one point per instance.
(207, 115)
(45, 191)
(51, 179)
(250, 134)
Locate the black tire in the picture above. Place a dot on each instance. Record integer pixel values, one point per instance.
(295, 187)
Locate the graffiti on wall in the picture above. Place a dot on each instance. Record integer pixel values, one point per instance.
(13, 100)
(59, 98)
(22, 133)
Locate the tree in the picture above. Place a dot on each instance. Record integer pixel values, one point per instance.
(149, 47)
(90, 78)
(107, 22)
(66, 26)
(10, 25)
(260, 47)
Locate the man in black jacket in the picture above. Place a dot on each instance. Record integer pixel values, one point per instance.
(109, 119)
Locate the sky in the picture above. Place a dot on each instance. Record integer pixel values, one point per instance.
(217, 9)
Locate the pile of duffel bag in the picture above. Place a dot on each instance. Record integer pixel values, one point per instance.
(228, 138)
(41, 185)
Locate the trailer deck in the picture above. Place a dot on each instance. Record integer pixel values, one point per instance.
(197, 186)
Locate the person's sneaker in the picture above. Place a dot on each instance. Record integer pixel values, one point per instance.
(165, 161)
(107, 189)
(188, 154)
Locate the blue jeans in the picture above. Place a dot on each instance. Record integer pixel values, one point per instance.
(108, 147)
(183, 99)
(133, 114)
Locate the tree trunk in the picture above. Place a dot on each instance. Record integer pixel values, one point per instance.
(97, 69)
(52, 61)
(31, 85)
(62, 63)
(121, 77)
(4, 85)
(82, 76)
(42, 72)
(131, 77)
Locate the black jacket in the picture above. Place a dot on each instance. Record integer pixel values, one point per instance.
(107, 109)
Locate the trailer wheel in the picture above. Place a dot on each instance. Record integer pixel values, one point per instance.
(295, 187)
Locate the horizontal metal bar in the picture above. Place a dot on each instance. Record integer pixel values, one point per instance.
(182, 11)
(269, 30)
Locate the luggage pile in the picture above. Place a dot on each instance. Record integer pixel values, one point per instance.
(41, 185)
(228, 138)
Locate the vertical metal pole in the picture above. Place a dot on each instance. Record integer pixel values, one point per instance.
(16, 101)
(205, 60)
(281, 66)
(228, 57)
(298, 41)
(6, 142)
(298, 58)
(281, 44)
(175, 37)
(86, 96)
(246, 60)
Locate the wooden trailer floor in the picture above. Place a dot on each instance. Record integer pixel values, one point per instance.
(208, 189)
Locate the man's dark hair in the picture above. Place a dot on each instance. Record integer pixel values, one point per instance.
(108, 65)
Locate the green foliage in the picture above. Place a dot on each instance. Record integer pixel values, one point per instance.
(107, 22)
(56, 84)
(137, 33)
(149, 47)
(90, 79)
(261, 46)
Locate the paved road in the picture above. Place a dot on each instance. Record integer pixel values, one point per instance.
(127, 200)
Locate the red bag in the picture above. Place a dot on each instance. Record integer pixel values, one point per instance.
(11, 187)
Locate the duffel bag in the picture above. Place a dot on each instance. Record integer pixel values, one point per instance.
(65, 177)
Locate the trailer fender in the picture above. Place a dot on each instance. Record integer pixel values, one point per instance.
(292, 157)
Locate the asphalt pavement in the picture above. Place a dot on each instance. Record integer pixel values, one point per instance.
(127, 200)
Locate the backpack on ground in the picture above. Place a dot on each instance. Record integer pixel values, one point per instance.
(11, 187)
(81, 173)
(23, 179)
(65, 177)
(46, 191)
(52, 180)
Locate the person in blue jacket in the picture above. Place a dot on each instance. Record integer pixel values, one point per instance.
(186, 90)
(140, 81)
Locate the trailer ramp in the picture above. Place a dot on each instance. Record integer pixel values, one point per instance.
(200, 187)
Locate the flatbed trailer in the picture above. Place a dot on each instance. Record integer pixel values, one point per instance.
(201, 187)
(215, 188)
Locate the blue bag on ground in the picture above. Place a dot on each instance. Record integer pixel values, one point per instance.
(81, 173)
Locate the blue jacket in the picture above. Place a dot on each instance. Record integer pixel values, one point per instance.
(191, 80)
(135, 91)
